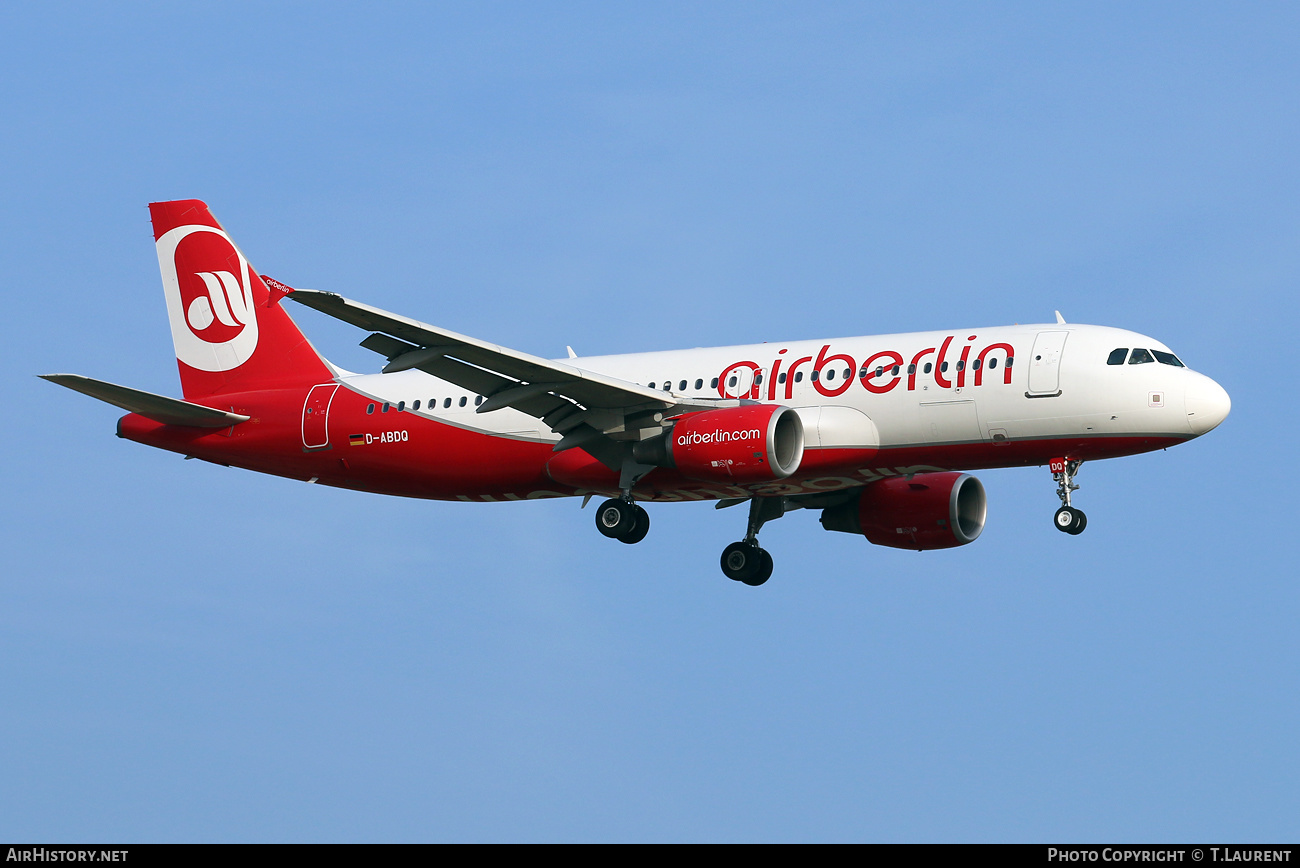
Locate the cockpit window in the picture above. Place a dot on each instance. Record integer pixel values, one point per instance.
(1140, 357)
(1118, 356)
(1167, 359)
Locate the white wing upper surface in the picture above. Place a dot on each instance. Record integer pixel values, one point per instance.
(579, 404)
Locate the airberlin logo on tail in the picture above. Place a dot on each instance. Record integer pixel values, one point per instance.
(209, 292)
(225, 301)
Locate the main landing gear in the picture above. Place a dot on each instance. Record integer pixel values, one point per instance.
(744, 561)
(1067, 519)
(621, 519)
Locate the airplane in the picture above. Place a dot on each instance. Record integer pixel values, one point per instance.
(879, 433)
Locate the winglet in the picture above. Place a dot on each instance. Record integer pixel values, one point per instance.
(1060, 320)
(278, 290)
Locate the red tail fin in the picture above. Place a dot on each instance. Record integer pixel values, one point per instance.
(229, 330)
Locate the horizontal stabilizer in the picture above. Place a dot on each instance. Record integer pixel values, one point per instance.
(168, 411)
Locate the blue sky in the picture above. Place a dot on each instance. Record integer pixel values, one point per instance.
(191, 653)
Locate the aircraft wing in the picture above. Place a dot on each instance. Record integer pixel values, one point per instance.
(583, 406)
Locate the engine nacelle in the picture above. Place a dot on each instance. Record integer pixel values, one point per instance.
(755, 443)
(928, 511)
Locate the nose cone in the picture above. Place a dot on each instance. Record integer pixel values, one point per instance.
(1207, 404)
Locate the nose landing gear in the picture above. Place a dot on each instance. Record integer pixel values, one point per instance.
(1067, 519)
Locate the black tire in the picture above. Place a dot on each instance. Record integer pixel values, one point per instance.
(1080, 522)
(639, 529)
(1064, 519)
(742, 561)
(1070, 520)
(764, 569)
(616, 518)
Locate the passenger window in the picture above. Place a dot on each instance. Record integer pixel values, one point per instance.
(446, 402)
(993, 363)
(699, 384)
(384, 409)
(370, 408)
(478, 399)
(975, 365)
(1118, 356)
(1140, 357)
(781, 378)
(713, 384)
(681, 387)
(463, 400)
(830, 375)
(1011, 360)
(894, 372)
(416, 405)
(815, 375)
(731, 381)
(961, 365)
(911, 369)
(798, 376)
(944, 368)
(880, 371)
(928, 367)
(401, 405)
(1167, 359)
(758, 379)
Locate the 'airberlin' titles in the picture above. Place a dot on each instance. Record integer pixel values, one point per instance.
(833, 374)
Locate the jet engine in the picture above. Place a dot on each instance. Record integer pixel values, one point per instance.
(927, 511)
(754, 443)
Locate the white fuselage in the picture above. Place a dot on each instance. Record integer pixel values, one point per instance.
(1060, 386)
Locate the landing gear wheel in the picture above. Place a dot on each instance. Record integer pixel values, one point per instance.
(764, 569)
(1070, 520)
(617, 518)
(639, 529)
(745, 562)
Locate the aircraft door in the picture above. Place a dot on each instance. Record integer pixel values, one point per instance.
(1045, 364)
(315, 416)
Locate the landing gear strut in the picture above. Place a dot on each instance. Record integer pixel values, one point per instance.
(744, 561)
(1067, 518)
(621, 519)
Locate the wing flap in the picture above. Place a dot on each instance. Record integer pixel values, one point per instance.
(168, 411)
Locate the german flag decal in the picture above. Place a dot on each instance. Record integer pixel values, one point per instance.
(357, 440)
